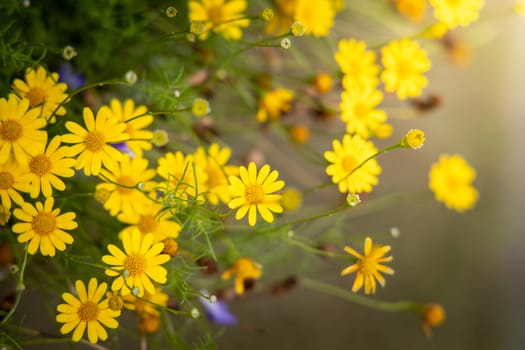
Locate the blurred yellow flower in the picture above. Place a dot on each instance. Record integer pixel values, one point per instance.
(346, 157)
(458, 12)
(86, 311)
(412, 9)
(358, 110)
(243, 269)
(316, 16)
(404, 62)
(414, 139)
(14, 178)
(43, 91)
(450, 179)
(253, 192)
(220, 16)
(357, 63)
(369, 266)
(274, 103)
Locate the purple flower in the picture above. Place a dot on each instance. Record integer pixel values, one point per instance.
(123, 147)
(68, 75)
(218, 312)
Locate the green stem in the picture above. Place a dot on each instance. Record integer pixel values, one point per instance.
(387, 306)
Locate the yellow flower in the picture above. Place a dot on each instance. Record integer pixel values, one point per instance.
(299, 134)
(200, 107)
(43, 91)
(451, 181)
(274, 103)
(283, 16)
(5, 215)
(136, 119)
(43, 227)
(458, 12)
(136, 266)
(369, 266)
(357, 64)
(404, 62)
(412, 9)
(92, 144)
(19, 134)
(218, 170)
(291, 199)
(414, 139)
(160, 138)
(147, 303)
(346, 157)
(252, 193)
(243, 269)
(215, 14)
(14, 178)
(519, 7)
(122, 183)
(48, 166)
(358, 110)
(86, 310)
(323, 82)
(152, 219)
(185, 175)
(316, 16)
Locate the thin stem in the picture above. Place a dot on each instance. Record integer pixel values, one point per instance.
(387, 306)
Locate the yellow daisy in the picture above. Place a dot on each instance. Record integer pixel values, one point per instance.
(14, 178)
(220, 16)
(48, 166)
(412, 9)
(369, 266)
(405, 62)
(450, 179)
(136, 266)
(92, 144)
(358, 110)
(346, 157)
(458, 12)
(185, 175)
(43, 91)
(218, 171)
(152, 219)
(136, 120)
(43, 227)
(87, 311)
(274, 103)
(357, 64)
(316, 16)
(122, 182)
(252, 193)
(243, 269)
(19, 134)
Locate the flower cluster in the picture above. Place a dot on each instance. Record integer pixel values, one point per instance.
(142, 193)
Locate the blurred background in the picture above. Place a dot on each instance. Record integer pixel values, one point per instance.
(471, 263)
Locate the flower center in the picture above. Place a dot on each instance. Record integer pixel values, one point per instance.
(88, 311)
(349, 163)
(215, 14)
(44, 224)
(40, 165)
(361, 110)
(254, 194)
(6, 180)
(126, 182)
(368, 266)
(404, 69)
(36, 96)
(147, 224)
(95, 141)
(11, 130)
(135, 264)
